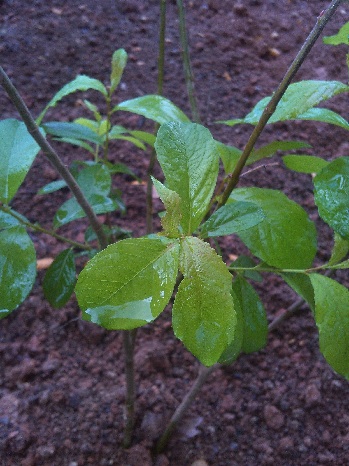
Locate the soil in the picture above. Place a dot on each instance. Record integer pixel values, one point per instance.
(61, 379)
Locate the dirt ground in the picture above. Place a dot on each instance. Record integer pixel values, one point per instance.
(62, 380)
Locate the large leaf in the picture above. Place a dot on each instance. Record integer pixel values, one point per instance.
(298, 99)
(72, 131)
(80, 83)
(304, 163)
(233, 350)
(255, 324)
(118, 64)
(342, 36)
(232, 218)
(203, 313)
(332, 320)
(331, 195)
(95, 183)
(154, 107)
(129, 283)
(286, 238)
(17, 268)
(60, 278)
(17, 153)
(188, 157)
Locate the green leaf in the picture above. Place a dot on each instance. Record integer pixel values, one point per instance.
(232, 218)
(118, 64)
(342, 36)
(52, 187)
(271, 149)
(304, 163)
(229, 155)
(331, 195)
(301, 284)
(72, 131)
(17, 153)
(172, 218)
(17, 268)
(154, 107)
(340, 249)
(80, 83)
(188, 157)
(231, 353)
(298, 99)
(246, 262)
(136, 142)
(129, 283)
(332, 320)
(95, 183)
(7, 220)
(324, 115)
(60, 278)
(144, 136)
(255, 324)
(342, 265)
(203, 312)
(120, 168)
(286, 238)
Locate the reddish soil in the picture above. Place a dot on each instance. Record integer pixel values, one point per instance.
(62, 380)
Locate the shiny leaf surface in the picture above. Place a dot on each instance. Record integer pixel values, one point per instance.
(60, 278)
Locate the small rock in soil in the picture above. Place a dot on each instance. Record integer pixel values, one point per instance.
(273, 417)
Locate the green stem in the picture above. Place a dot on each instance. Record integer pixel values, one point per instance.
(188, 72)
(52, 156)
(40, 229)
(321, 22)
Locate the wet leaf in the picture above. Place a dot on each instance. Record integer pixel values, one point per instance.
(17, 153)
(129, 283)
(332, 320)
(204, 317)
(172, 218)
(17, 268)
(60, 278)
(331, 195)
(286, 238)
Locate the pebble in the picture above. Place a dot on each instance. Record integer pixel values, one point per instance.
(273, 417)
(312, 395)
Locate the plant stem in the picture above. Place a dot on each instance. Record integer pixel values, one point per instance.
(52, 155)
(36, 227)
(321, 22)
(129, 343)
(188, 72)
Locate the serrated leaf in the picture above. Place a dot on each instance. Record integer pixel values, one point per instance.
(299, 98)
(17, 153)
(80, 83)
(17, 268)
(95, 183)
(304, 163)
(172, 202)
(188, 157)
(255, 324)
(340, 249)
(60, 278)
(286, 238)
(301, 284)
(129, 283)
(154, 107)
(342, 36)
(118, 64)
(203, 312)
(332, 320)
(232, 218)
(331, 195)
(72, 131)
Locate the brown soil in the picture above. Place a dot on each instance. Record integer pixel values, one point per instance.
(62, 380)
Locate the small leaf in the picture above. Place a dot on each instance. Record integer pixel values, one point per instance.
(7, 220)
(332, 320)
(203, 312)
(118, 64)
(304, 163)
(272, 148)
(72, 131)
(340, 249)
(331, 195)
(52, 187)
(232, 218)
(286, 238)
(80, 83)
(144, 136)
(60, 278)
(95, 182)
(229, 155)
(154, 107)
(301, 284)
(17, 268)
(129, 283)
(188, 157)
(17, 153)
(341, 265)
(324, 115)
(172, 218)
(342, 36)
(255, 324)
